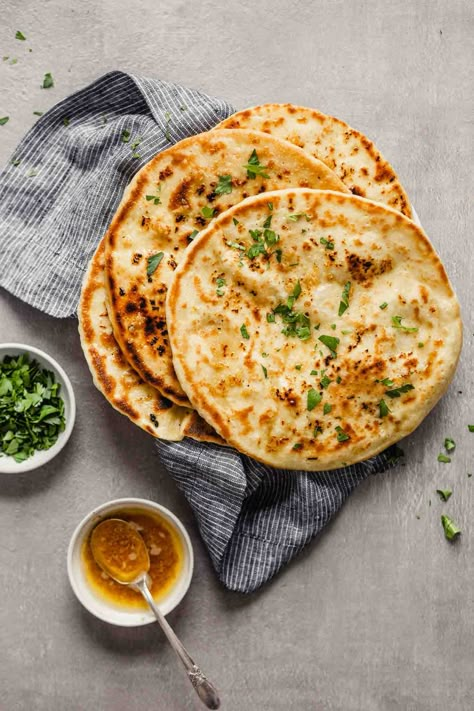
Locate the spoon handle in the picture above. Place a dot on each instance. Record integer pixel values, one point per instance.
(203, 687)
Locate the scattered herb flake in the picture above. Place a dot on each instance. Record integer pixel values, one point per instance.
(4, 120)
(155, 198)
(325, 382)
(32, 172)
(66, 121)
(207, 212)
(220, 286)
(314, 372)
(271, 318)
(265, 373)
(19, 35)
(341, 435)
(451, 531)
(397, 323)
(235, 245)
(268, 222)
(224, 186)
(330, 342)
(327, 408)
(48, 81)
(270, 206)
(298, 367)
(298, 215)
(297, 445)
(153, 262)
(313, 399)
(470, 428)
(421, 345)
(16, 162)
(449, 444)
(254, 167)
(235, 221)
(344, 303)
(444, 494)
(444, 459)
(38, 113)
(244, 332)
(327, 243)
(383, 306)
(396, 392)
(167, 126)
(125, 136)
(383, 409)
(193, 234)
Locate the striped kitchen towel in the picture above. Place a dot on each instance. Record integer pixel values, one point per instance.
(57, 196)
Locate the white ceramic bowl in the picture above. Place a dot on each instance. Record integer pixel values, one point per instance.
(8, 464)
(104, 609)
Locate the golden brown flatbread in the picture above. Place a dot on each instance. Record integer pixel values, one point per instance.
(169, 201)
(350, 154)
(117, 381)
(327, 355)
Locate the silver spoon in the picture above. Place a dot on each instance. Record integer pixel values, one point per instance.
(114, 537)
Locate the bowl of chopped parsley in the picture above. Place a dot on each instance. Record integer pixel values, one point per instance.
(37, 408)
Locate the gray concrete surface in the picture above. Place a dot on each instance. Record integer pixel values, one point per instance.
(377, 615)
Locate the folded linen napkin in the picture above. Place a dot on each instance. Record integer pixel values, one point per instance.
(57, 196)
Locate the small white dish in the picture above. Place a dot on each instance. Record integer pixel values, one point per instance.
(104, 609)
(40, 457)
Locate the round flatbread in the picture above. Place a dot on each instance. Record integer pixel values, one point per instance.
(326, 356)
(169, 201)
(350, 154)
(117, 381)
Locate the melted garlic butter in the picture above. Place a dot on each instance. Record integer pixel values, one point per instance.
(166, 559)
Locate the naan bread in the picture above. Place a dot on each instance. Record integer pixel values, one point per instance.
(328, 356)
(346, 151)
(168, 202)
(119, 383)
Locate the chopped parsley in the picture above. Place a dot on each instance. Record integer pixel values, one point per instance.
(294, 295)
(451, 530)
(235, 221)
(449, 444)
(265, 372)
(16, 161)
(125, 136)
(314, 372)
(383, 409)
(470, 428)
(298, 367)
(341, 435)
(254, 167)
(244, 332)
(312, 399)
(220, 286)
(48, 81)
(297, 215)
(207, 212)
(396, 392)
(193, 234)
(325, 382)
(383, 306)
(344, 303)
(31, 409)
(271, 318)
(444, 459)
(4, 120)
(224, 186)
(297, 322)
(270, 206)
(297, 445)
(156, 199)
(19, 35)
(235, 245)
(327, 408)
(444, 494)
(153, 262)
(327, 243)
(421, 344)
(330, 342)
(385, 381)
(397, 323)
(268, 222)
(38, 113)
(66, 121)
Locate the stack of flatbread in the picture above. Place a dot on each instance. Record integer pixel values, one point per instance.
(263, 286)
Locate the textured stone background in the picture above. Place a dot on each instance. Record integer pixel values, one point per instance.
(378, 614)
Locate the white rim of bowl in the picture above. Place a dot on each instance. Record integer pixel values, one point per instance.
(83, 528)
(45, 455)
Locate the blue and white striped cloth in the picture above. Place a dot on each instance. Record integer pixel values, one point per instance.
(57, 196)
